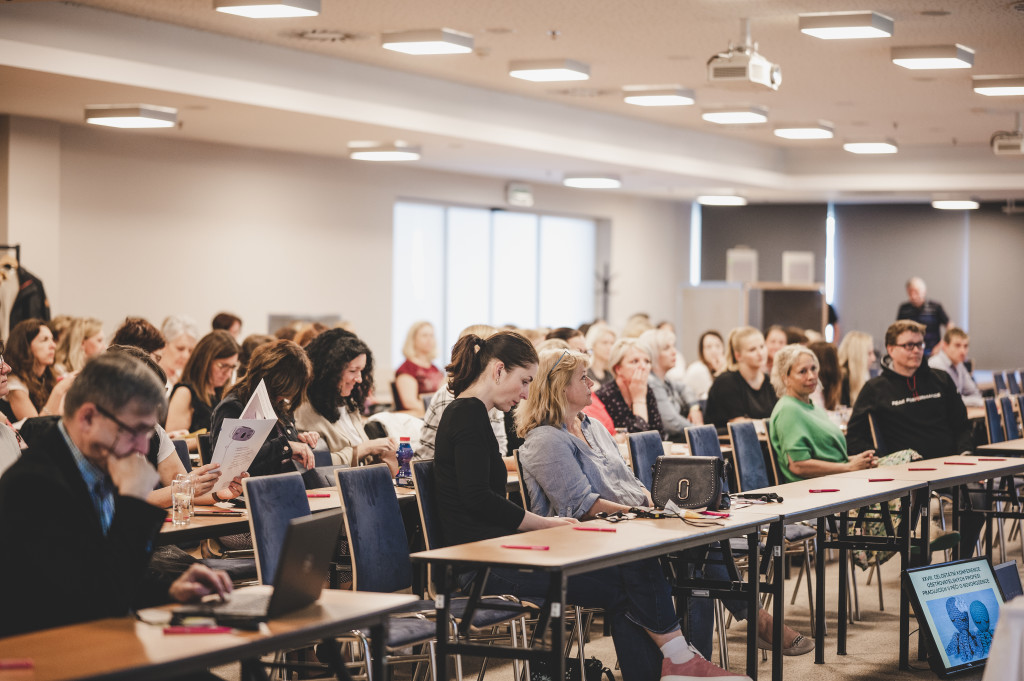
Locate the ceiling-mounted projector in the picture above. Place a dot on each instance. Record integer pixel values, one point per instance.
(1009, 143)
(742, 64)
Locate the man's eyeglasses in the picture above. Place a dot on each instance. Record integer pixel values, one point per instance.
(133, 432)
(910, 347)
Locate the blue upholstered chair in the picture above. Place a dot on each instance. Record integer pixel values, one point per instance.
(1010, 426)
(380, 557)
(876, 436)
(703, 441)
(644, 450)
(999, 382)
(1012, 384)
(993, 424)
(273, 502)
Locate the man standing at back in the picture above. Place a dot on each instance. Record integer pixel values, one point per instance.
(923, 311)
(951, 359)
(76, 529)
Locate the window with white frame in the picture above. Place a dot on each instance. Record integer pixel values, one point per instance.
(455, 266)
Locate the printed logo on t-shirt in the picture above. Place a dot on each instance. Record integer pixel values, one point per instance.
(918, 398)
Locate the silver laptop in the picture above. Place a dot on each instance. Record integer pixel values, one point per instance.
(301, 572)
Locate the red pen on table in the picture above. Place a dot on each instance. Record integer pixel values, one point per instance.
(879, 479)
(991, 459)
(197, 630)
(959, 463)
(525, 547)
(816, 491)
(317, 495)
(716, 514)
(594, 529)
(920, 469)
(17, 663)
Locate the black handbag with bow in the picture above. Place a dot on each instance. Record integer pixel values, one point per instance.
(689, 482)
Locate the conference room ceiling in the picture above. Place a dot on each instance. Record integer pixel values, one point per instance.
(312, 85)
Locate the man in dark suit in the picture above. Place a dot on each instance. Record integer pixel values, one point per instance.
(75, 527)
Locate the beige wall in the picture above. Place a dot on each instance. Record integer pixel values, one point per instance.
(149, 226)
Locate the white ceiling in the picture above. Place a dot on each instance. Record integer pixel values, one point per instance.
(257, 83)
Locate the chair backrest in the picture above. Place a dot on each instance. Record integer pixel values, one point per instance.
(1010, 426)
(999, 381)
(205, 448)
(273, 502)
(644, 450)
(993, 425)
(751, 472)
(396, 397)
(1011, 383)
(181, 448)
(773, 459)
(426, 501)
(322, 454)
(1020, 406)
(524, 493)
(876, 437)
(376, 534)
(703, 441)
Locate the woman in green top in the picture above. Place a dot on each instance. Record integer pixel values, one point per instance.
(806, 441)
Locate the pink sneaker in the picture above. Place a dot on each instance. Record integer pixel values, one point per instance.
(697, 668)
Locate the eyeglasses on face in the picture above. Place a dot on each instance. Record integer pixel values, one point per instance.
(133, 432)
(225, 366)
(910, 347)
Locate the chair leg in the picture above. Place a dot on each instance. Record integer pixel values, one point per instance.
(806, 567)
(878, 571)
(723, 645)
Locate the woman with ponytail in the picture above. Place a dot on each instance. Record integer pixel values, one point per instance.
(470, 479)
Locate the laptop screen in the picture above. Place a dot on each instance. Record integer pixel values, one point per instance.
(957, 604)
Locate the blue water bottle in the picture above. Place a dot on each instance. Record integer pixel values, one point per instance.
(404, 476)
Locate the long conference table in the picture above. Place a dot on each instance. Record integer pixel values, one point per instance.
(126, 648)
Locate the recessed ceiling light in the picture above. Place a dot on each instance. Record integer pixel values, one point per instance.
(736, 115)
(269, 9)
(821, 130)
(429, 41)
(886, 146)
(658, 95)
(548, 70)
(846, 25)
(131, 116)
(375, 151)
(592, 181)
(948, 204)
(721, 200)
(933, 57)
(998, 86)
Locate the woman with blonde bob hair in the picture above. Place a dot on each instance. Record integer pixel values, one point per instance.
(82, 341)
(417, 375)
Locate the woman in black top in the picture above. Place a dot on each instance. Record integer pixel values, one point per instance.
(470, 479)
(744, 391)
(286, 371)
(207, 372)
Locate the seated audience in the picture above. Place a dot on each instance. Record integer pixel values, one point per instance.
(285, 371)
(600, 339)
(572, 466)
(181, 335)
(417, 375)
(629, 399)
(951, 359)
(856, 359)
(342, 378)
(443, 397)
(710, 363)
(310, 332)
(829, 379)
(59, 326)
(95, 509)
(807, 443)
(249, 346)
(207, 372)
(774, 340)
(471, 504)
(33, 387)
(83, 340)
(744, 391)
(636, 325)
(225, 321)
(678, 410)
(796, 335)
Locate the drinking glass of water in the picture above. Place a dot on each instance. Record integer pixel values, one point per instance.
(181, 499)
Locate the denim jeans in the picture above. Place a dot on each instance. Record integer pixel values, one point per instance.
(636, 598)
(700, 614)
